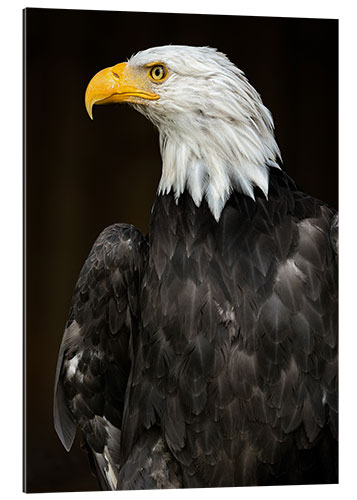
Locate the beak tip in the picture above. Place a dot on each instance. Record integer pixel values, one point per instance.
(89, 108)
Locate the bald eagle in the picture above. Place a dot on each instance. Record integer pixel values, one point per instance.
(205, 354)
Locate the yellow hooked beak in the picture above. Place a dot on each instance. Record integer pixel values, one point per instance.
(116, 84)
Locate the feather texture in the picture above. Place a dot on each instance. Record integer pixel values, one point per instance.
(252, 369)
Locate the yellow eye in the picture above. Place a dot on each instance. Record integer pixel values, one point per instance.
(158, 72)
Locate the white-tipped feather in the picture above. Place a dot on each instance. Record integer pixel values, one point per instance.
(215, 133)
(196, 181)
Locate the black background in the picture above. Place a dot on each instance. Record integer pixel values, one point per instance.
(82, 176)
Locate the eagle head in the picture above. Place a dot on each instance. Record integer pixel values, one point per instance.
(215, 133)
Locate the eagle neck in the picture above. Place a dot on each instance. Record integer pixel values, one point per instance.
(212, 157)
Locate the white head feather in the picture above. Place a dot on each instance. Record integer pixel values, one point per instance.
(215, 133)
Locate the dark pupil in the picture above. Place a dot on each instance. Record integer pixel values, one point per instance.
(158, 72)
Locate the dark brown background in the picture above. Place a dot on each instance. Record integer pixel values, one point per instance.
(82, 176)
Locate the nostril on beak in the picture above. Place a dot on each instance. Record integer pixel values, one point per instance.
(115, 74)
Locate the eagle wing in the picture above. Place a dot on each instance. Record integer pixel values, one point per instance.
(96, 351)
